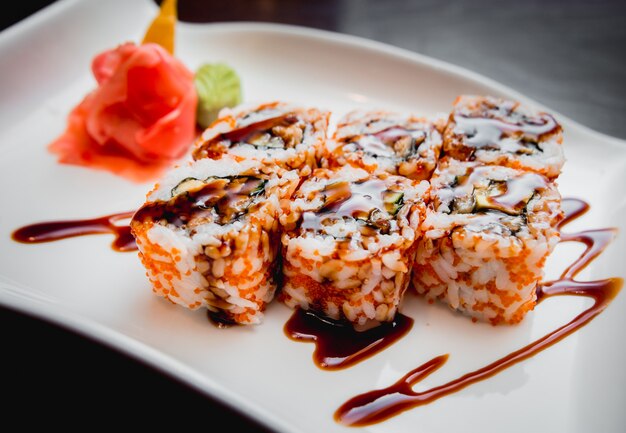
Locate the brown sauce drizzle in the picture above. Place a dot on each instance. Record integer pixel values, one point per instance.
(390, 135)
(371, 145)
(221, 200)
(381, 144)
(375, 406)
(245, 133)
(488, 132)
(220, 320)
(337, 344)
(356, 200)
(364, 197)
(57, 230)
(518, 192)
(179, 211)
(509, 196)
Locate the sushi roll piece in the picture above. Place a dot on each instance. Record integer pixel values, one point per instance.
(501, 132)
(277, 134)
(487, 235)
(348, 243)
(384, 141)
(208, 237)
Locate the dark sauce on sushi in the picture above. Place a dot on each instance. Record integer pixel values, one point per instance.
(518, 192)
(219, 319)
(368, 201)
(371, 145)
(390, 135)
(231, 204)
(375, 406)
(220, 199)
(510, 196)
(57, 230)
(382, 143)
(245, 134)
(337, 344)
(487, 128)
(359, 198)
(486, 132)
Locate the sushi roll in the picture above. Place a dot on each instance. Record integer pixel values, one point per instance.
(276, 134)
(501, 132)
(348, 243)
(487, 235)
(384, 141)
(208, 237)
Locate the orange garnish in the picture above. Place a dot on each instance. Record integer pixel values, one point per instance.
(161, 30)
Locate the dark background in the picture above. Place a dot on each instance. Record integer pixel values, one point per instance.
(568, 55)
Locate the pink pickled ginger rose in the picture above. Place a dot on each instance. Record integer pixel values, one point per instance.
(140, 119)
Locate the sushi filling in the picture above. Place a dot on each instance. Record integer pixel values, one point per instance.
(220, 200)
(379, 141)
(500, 127)
(281, 131)
(500, 206)
(394, 142)
(368, 203)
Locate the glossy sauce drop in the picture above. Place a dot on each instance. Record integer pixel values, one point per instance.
(375, 406)
(337, 344)
(57, 230)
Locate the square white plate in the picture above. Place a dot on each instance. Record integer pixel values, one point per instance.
(577, 385)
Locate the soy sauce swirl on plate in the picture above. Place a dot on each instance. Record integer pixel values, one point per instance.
(337, 344)
(378, 405)
(57, 230)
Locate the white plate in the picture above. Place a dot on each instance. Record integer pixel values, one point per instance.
(577, 385)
